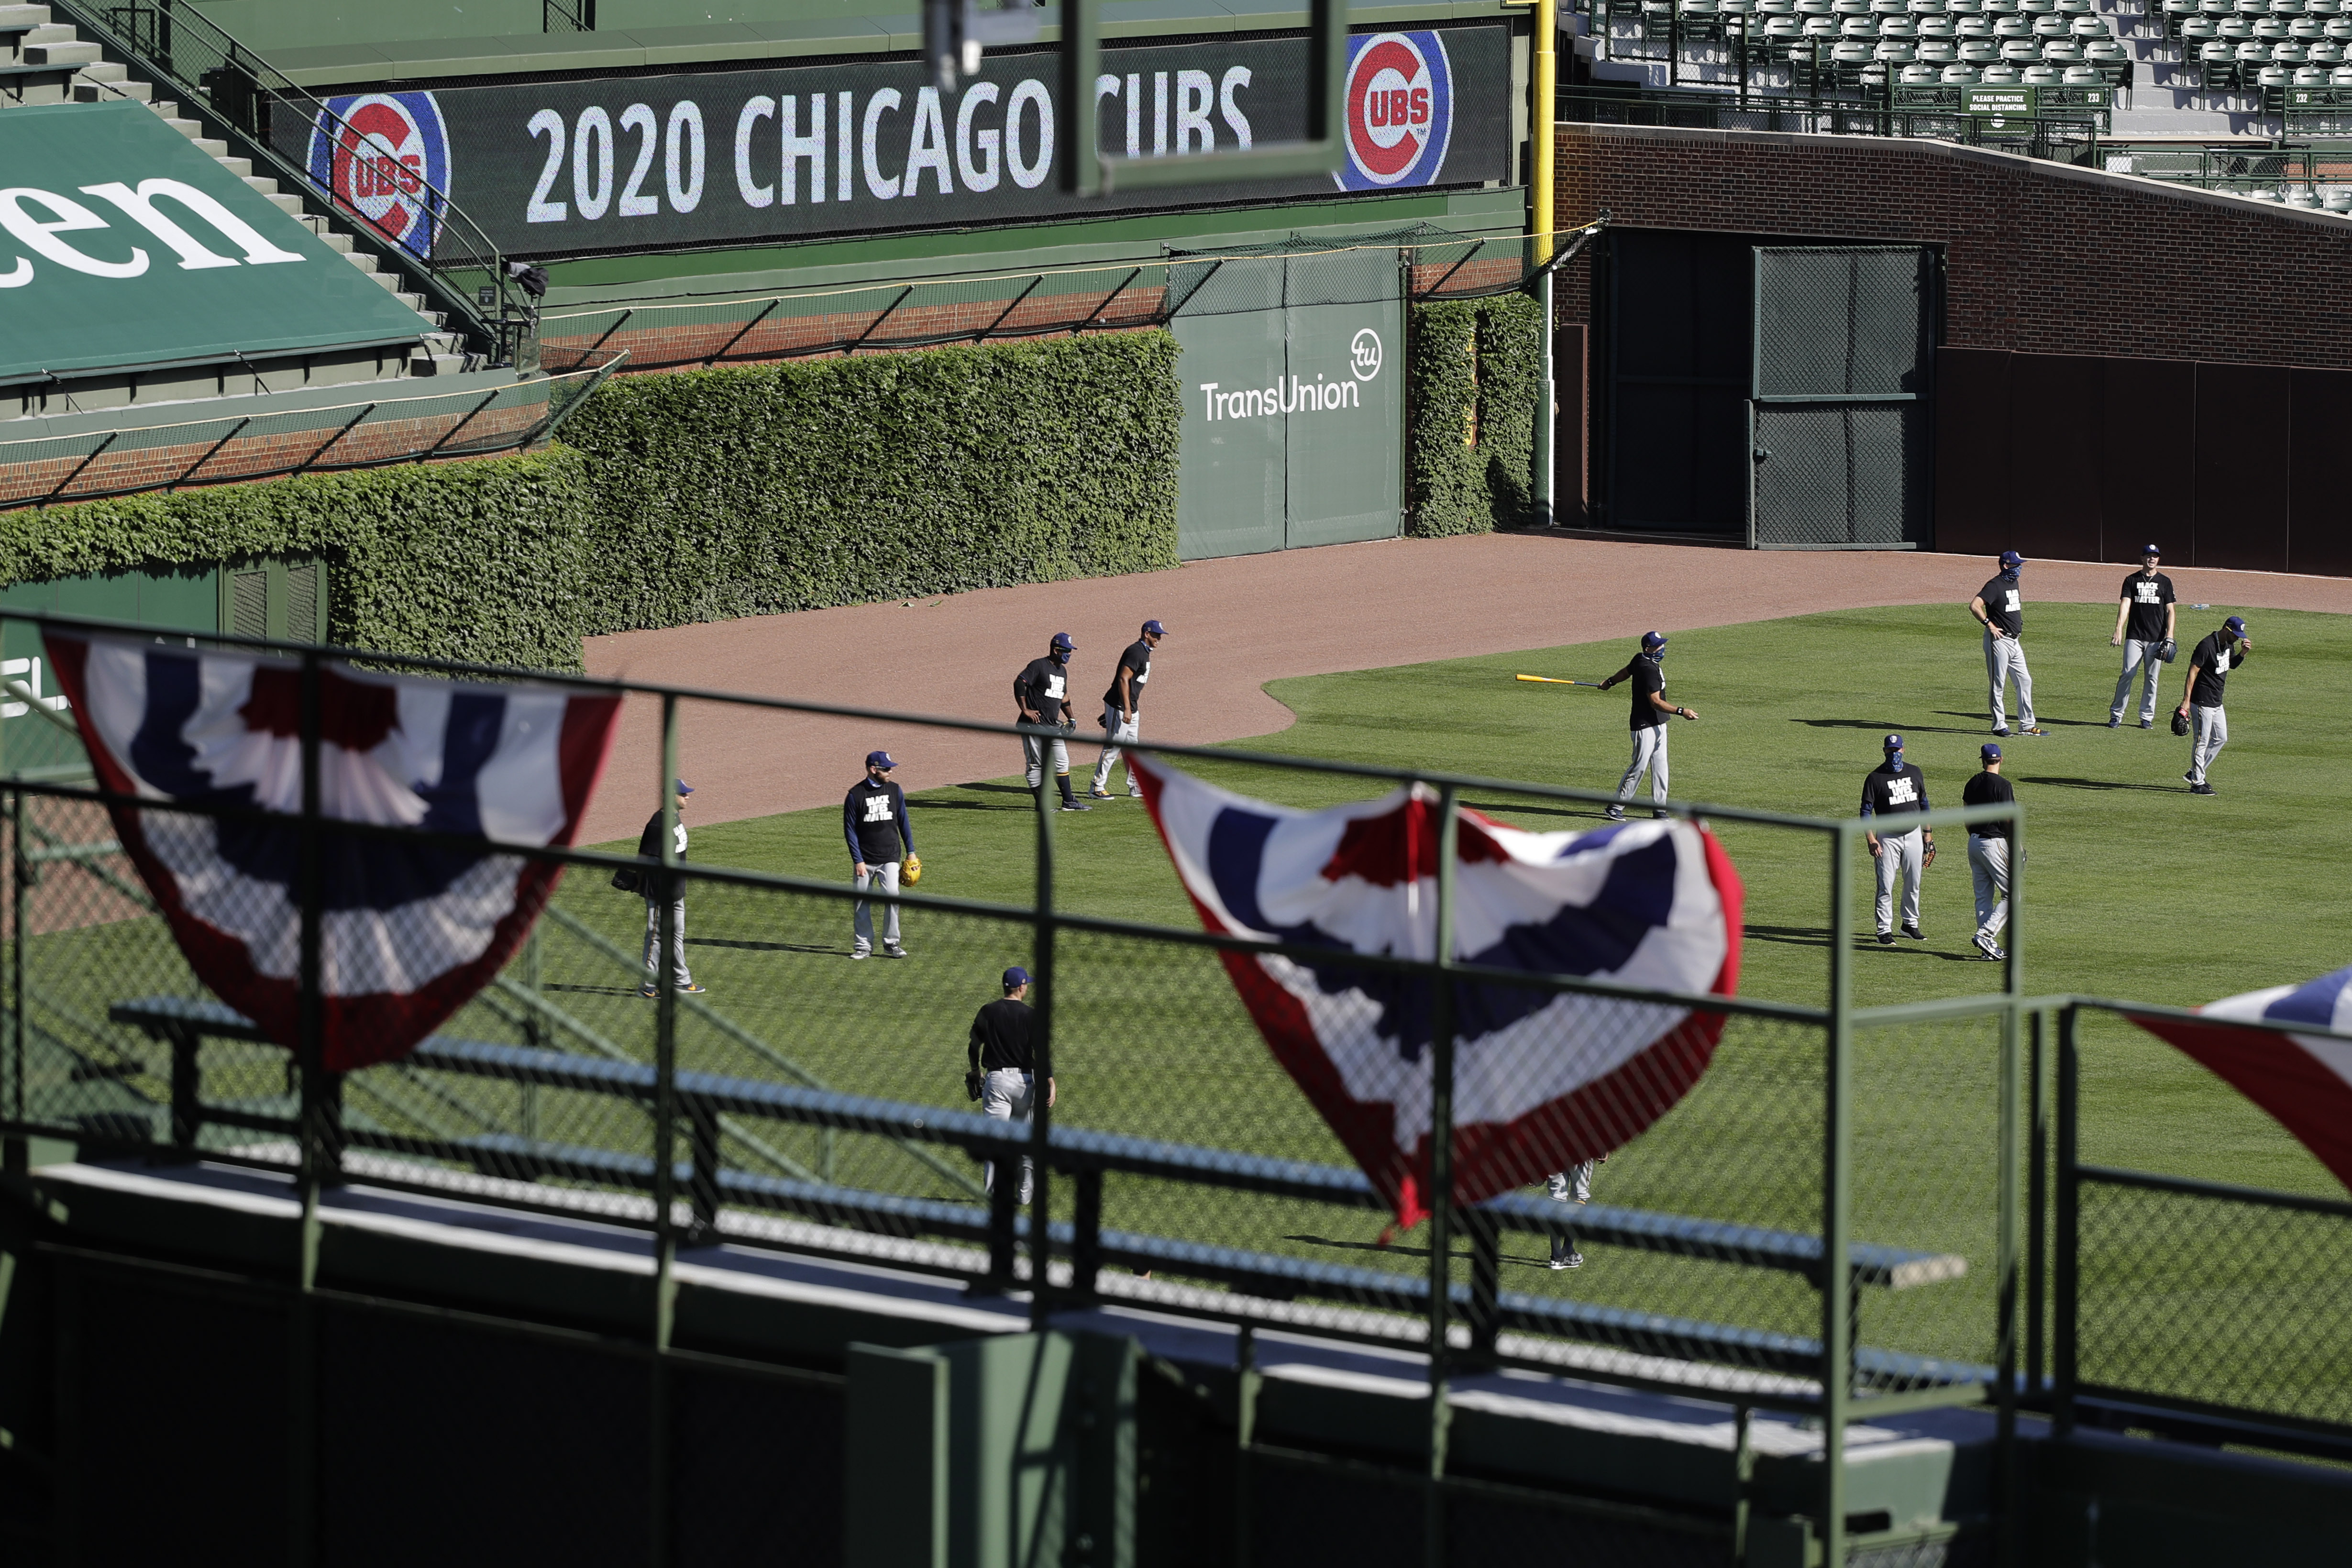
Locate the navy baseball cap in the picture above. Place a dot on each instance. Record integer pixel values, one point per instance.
(1893, 743)
(2011, 558)
(683, 787)
(1016, 975)
(882, 760)
(1155, 628)
(2149, 550)
(1654, 640)
(1992, 752)
(2236, 624)
(1062, 639)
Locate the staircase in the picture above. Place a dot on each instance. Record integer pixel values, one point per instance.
(43, 61)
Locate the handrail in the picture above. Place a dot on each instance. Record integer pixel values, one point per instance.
(150, 32)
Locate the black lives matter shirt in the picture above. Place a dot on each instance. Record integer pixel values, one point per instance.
(1043, 687)
(1137, 662)
(2003, 606)
(2214, 663)
(1647, 679)
(1988, 789)
(874, 820)
(1886, 793)
(1001, 1035)
(2147, 595)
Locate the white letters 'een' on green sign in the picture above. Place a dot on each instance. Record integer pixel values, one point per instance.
(123, 244)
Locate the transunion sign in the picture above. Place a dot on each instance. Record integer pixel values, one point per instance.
(625, 162)
(1327, 392)
(122, 243)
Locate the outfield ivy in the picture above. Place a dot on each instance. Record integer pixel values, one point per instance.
(750, 490)
(479, 560)
(1471, 441)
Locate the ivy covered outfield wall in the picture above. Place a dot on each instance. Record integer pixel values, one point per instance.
(699, 496)
(1475, 367)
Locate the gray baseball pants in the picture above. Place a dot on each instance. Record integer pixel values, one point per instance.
(1899, 852)
(2005, 661)
(1989, 869)
(1649, 753)
(861, 919)
(1120, 734)
(676, 941)
(1573, 1185)
(2139, 657)
(1007, 1094)
(1032, 750)
(2210, 728)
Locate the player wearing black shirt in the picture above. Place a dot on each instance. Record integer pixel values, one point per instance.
(2201, 697)
(1893, 790)
(874, 820)
(2144, 612)
(661, 891)
(1123, 707)
(1004, 1062)
(1988, 853)
(1041, 692)
(1999, 607)
(1651, 712)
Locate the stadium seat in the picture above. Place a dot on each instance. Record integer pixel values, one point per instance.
(2040, 76)
(2107, 52)
(1999, 75)
(2062, 54)
(1863, 29)
(1936, 27)
(1979, 51)
(1957, 9)
(1898, 28)
(2089, 27)
(2340, 77)
(2338, 202)
(1816, 7)
(1916, 74)
(2339, 29)
(2198, 30)
(2020, 52)
(1961, 74)
(2000, 8)
(2013, 28)
(2049, 26)
(2289, 54)
(2272, 75)
(1938, 52)
(2326, 52)
(1894, 52)
(1925, 7)
(2271, 29)
(2311, 76)
(2081, 75)
(1890, 8)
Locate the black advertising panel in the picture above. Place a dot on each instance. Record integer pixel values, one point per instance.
(623, 162)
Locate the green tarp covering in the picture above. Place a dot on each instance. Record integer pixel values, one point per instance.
(122, 244)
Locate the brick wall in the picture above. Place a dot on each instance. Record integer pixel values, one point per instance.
(2043, 259)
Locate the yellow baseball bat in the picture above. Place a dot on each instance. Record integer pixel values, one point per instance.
(1555, 680)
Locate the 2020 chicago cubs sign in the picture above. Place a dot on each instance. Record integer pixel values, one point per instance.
(1400, 99)
(384, 162)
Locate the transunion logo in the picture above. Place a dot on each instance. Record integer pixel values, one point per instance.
(384, 162)
(1326, 394)
(1400, 105)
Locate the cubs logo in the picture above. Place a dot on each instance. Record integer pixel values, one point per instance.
(1400, 107)
(386, 163)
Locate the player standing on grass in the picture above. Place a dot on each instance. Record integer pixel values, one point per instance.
(874, 819)
(2201, 697)
(1123, 707)
(1893, 790)
(1991, 850)
(1042, 691)
(659, 889)
(2143, 618)
(1651, 712)
(1573, 1185)
(1997, 607)
(1003, 1054)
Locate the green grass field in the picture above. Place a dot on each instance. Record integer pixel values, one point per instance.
(2133, 889)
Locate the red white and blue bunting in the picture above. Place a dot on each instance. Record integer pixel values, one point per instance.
(2304, 1080)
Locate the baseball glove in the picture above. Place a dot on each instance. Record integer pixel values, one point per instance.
(910, 870)
(2179, 723)
(2166, 650)
(1928, 857)
(971, 1084)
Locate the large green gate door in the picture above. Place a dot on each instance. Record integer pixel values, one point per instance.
(1839, 414)
(1294, 412)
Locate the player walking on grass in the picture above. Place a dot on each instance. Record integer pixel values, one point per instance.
(2143, 618)
(2201, 697)
(874, 819)
(1042, 691)
(1003, 1054)
(1893, 790)
(1997, 606)
(659, 889)
(1123, 707)
(1990, 847)
(1651, 712)
(1573, 1185)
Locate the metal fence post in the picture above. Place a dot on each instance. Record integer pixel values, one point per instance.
(1041, 1208)
(2037, 1229)
(2065, 1276)
(311, 1149)
(1837, 1199)
(667, 940)
(19, 1158)
(1441, 1178)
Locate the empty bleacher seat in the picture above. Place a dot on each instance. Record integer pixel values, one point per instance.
(1963, 73)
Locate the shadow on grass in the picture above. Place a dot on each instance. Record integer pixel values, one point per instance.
(2102, 783)
(1025, 796)
(1587, 813)
(593, 990)
(758, 946)
(1392, 1249)
(1796, 936)
(1896, 729)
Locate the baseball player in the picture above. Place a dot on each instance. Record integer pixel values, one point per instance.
(2144, 616)
(1573, 1185)
(1988, 852)
(659, 889)
(1893, 791)
(1651, 712)
(2201, 697)
(1123, 706)
(874, 820)
(1042, 691)
(1997, 608)
(1003, 1056)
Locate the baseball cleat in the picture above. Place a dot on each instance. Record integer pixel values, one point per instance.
(1985, 945)
(2188, 779)
(1100, 793)
(2147, 723)
(2033, 730)
(692, 990)
(648, 992)
(1076, 805)
(892, 950)
(2115, 723)
(1570, 1259)
(2200, 789)
(1887, 939)
(1914, 933)
(859, 952)
(2003, 730)
(1616, 814)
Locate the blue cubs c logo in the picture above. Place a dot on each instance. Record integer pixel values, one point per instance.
(386, 164)
(1400, 111)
